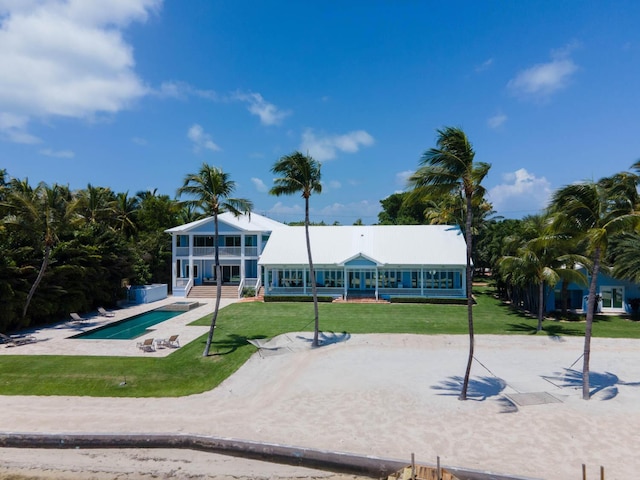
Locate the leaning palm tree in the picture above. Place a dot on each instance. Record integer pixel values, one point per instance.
(212, 189)
(595, 212)
(301, 174)
(450, 168)
(42, 212)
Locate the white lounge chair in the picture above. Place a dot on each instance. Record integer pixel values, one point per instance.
(104, 313)
(77, 318)
(171, 342)
(147, 345)
(17, 340)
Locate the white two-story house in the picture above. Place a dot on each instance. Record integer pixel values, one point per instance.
(240, 240)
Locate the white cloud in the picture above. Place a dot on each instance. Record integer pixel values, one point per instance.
(347, 213)
(325, 147)
(521, 193)
(182, 90)
(268, 113)
(335, 184)
(484, 65)
(497, 120)
(259, 184)
(402, 178)
(292, 213)
(14, 128)
(201, 139)
(68, 57)
(57, 154)
(140, 141)
(544, 79)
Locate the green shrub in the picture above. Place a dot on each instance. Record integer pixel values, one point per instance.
(296, 298)
(248, 292)
(433, 301)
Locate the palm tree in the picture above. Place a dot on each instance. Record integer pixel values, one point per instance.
(450, 168)
(595, 212)
(540, 260)
(301, 174)
(43, 212)
(212, 189)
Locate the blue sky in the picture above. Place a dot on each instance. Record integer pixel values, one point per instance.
(135, 94)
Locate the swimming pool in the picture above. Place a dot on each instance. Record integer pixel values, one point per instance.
(131, 327)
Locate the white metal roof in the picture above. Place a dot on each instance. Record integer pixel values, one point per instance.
(385, 245)
(248, 223)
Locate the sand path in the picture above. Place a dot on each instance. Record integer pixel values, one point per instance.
(383, 395)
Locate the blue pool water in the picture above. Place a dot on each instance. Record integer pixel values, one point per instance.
(130, 328)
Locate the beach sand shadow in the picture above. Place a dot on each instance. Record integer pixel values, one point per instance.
(605, 382)
(479, 389)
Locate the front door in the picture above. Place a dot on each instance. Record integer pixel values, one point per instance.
(361, 279)
(612, 299)
(230, 274)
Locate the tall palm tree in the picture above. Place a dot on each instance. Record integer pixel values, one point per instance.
(596, 212)
(450, 168)
(301, 174)
(42, 212)
(212, 189)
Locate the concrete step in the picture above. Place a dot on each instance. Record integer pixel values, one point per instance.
(209, 291)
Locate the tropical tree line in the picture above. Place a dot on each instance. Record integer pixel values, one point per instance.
(66, 251)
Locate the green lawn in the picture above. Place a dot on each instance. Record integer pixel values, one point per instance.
(186, 372)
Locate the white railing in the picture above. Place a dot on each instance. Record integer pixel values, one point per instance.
(222, 251)
(240, 287)
(182, 287)
(258, 285)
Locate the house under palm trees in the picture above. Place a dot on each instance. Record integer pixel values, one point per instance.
(351, 261)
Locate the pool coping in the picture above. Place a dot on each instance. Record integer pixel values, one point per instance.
(55, 339)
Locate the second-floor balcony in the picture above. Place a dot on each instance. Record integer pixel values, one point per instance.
(222, 251)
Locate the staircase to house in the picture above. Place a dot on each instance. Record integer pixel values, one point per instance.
(209, 291)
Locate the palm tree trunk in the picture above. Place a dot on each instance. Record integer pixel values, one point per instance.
(564, 296)
(540, 305)
(468, 238)
(43, 268)
(314, 287)
(214, 317)
(591, 304)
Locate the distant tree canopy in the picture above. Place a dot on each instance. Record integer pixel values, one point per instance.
(66, 251)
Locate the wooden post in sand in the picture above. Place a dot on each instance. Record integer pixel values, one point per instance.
(584, 472)
(601, 472)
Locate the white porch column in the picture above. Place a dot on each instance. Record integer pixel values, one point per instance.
(422, 281)
(190, 256)
(376, 282)
(345, 281)
(242, 247)
(174, 260)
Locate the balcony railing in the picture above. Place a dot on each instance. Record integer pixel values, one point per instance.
(223, 251)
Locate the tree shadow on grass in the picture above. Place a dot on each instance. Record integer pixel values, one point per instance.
(231, 342)
(605, 382)
(479, 389)
(553, 330)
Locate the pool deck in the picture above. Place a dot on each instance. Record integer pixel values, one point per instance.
(55, 339)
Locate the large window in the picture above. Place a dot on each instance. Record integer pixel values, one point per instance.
(290, 278)
(232, 241)
(202, 241)
(389, 279)
(440, 279)
(331, 278)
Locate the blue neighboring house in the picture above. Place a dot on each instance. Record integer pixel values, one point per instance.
(614, 295)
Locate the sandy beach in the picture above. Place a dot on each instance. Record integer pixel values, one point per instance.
(381, 395)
